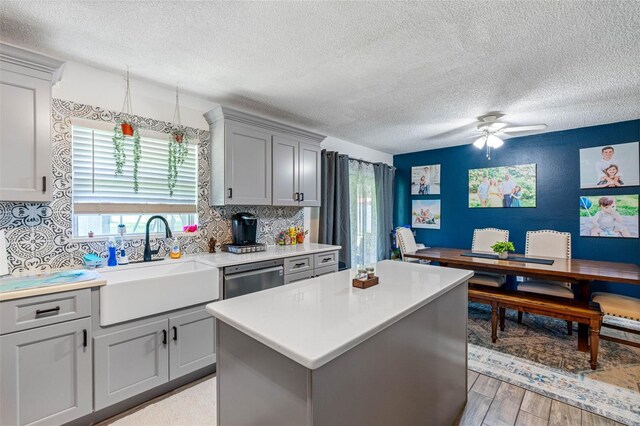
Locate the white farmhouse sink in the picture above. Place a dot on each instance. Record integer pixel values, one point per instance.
(154, 288)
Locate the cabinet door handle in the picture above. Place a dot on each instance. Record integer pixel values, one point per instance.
(84, 338)
(230, 192)
(164, 337)
(297, 195)
(175, 333)
(54, 311)
(44, 184)
(302, 196)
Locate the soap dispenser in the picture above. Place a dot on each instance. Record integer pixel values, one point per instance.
(112, 260)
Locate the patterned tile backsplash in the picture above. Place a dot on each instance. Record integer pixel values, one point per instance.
(39, 235)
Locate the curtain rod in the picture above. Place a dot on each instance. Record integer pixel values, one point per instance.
(371, 162)
(360, 160)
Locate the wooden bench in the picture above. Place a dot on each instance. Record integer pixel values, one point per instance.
(569, 310)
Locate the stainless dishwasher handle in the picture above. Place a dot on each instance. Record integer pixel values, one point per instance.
(256, 272)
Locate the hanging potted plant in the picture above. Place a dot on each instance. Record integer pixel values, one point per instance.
(125, 128)
(178, 147)
(177, 135)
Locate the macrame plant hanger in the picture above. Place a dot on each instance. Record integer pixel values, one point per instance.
(178, 146)
(124, 128)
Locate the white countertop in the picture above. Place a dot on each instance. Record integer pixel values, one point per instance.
(223, 259)
(218, 260)
(316, 320)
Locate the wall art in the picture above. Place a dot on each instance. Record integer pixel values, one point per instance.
(425, 180)
(425, 214)
(504, 186)
(610, 166)
(609, 216)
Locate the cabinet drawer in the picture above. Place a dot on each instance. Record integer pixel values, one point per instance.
(297, 264)
(292, 278)
(325, 259)
(326, 270)
(30, 312)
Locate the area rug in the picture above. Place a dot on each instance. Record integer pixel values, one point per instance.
(188, 406)
(540, 356)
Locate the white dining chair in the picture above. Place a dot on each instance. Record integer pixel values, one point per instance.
(482, 241)
(548, 243)
(407, 244)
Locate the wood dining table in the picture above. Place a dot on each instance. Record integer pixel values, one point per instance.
(579, 272)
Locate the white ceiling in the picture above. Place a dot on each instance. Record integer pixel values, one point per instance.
(397, 77)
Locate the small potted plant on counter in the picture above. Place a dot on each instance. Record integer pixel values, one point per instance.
(502, 248)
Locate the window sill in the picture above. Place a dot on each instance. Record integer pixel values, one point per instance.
(127, 237)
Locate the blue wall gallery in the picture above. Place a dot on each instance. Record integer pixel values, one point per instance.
(556, 156)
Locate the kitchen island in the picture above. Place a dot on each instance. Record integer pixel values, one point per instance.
(321, 352)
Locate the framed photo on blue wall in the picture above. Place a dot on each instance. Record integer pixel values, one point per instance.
(425, 180)
(503, 186)
(610, 166)
(609, 216)
(425, 214)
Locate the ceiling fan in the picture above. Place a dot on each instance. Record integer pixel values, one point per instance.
(490, 127)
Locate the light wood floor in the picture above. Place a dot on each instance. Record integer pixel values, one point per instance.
(492, 402)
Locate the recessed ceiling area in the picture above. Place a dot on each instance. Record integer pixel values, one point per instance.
(393, 76)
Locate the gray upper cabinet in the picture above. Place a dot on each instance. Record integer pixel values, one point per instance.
(247, 167)
(285, 171)
(25, 124)
(296, 173)
(309, 175)
(256, 161)
(45, 374)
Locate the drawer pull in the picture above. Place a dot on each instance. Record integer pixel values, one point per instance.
(84, 338)
(327, 259)
(164, 337)
(52, 311)
(175, 333)
(299, 265)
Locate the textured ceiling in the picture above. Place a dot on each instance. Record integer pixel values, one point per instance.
(397, 77)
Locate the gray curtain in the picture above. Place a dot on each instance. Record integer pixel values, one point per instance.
(335, 227)
(384, 176)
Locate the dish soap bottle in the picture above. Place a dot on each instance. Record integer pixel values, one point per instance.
(112, 260)
(175, 250)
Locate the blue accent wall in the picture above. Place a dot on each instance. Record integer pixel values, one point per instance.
(558, 190)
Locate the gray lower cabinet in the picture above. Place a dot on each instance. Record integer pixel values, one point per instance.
(129, 362)
(192, 343)
(140, 357)
(292, 278)
(45, 374)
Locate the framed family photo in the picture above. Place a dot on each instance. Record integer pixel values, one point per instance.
(610, 166)
(609, 216)
(425, 214)
(503, 187)
(425, 180)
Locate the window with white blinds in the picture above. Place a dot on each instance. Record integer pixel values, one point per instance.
(96, 190)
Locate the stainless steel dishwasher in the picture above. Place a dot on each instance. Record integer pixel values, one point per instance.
(252, 277)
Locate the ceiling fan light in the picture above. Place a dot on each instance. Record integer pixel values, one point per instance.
(494, 141)
(479, 143)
